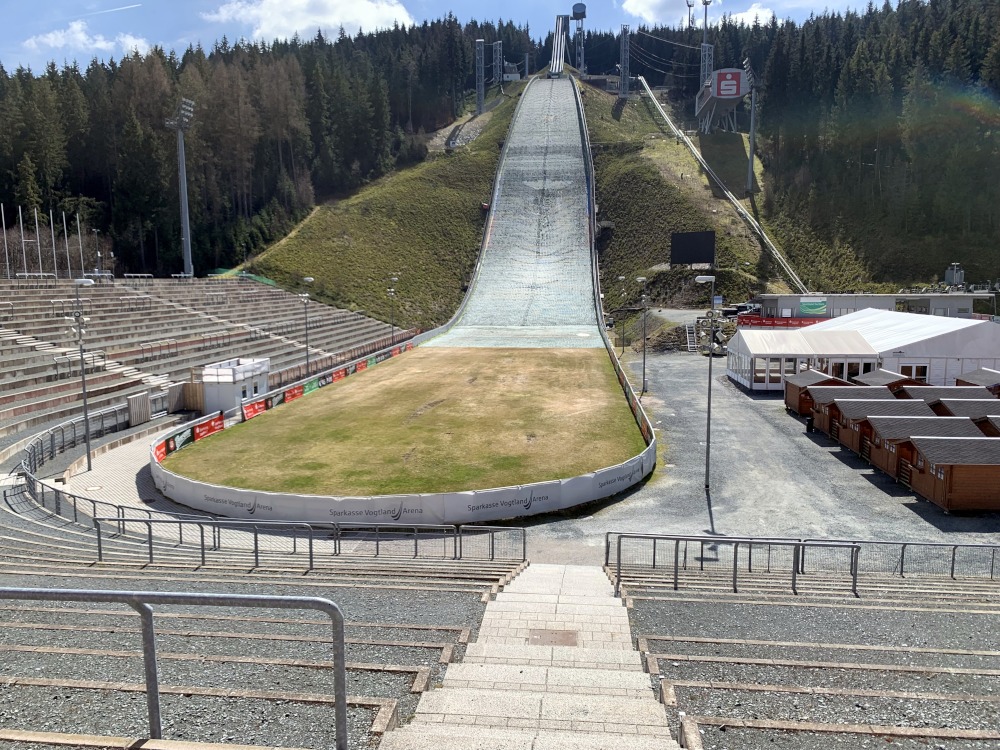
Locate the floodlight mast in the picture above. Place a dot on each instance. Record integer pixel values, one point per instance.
(182, 122)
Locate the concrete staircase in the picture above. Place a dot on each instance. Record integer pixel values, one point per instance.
(553, 669)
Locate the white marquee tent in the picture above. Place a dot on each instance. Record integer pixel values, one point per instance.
(925, 347)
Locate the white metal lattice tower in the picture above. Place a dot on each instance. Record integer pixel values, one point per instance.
(579, 46)
(498, 63)
(623, 85)
(480, 72)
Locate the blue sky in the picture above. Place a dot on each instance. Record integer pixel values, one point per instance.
(67, 30)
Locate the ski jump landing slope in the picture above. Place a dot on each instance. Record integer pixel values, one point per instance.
(534, 285)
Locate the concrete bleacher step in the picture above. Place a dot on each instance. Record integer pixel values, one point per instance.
(577, 681)
(553, 656)
(451, 737)
(102, 742)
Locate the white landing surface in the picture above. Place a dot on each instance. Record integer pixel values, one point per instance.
(553, 669)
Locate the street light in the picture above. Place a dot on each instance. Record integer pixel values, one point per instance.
(711, 356)
(78, 321)
(97, 248)
(622, 279)
(642, 280)
(392, 308)
(305, 310)
(181, 122)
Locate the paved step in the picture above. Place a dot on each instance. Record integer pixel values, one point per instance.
(438, 737)
(553, 656)
(548, 679)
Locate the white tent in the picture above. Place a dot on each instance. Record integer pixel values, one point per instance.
(924, 347)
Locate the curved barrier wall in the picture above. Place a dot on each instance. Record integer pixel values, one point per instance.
(440, 508)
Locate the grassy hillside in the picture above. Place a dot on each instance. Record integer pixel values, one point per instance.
(422, 224)
(648, 187)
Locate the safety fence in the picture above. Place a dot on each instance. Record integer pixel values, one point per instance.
(142, 601)
(634, 553)
(638, 553)
(45, 446)
(162, 532)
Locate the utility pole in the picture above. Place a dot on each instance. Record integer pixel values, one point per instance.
(480, 63)
(753, 123)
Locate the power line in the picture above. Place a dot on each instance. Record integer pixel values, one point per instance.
(660, 70)
(635, 45)
(666, 41)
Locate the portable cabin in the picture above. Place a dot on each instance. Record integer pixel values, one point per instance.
(965, 407)
(957, 473)
(891, 380)
(852, 428)
(928, 348)
(881, 450)
(931, 393)
(984, 376)
(797, 398)
(825, 413)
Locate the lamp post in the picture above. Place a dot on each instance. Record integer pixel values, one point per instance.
(622, 279)
(78, 321)
(392, 308)
(181, 122)
(711, 356)
(305, 311)
(97, 248)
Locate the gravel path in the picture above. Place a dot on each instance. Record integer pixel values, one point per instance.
(717, 738)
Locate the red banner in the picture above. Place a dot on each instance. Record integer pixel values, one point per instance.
(293, 393)
(160, 451)
(755, 321)
(409, 345)
(212, 426)
(254, 408)
(339, 375)
(362, 365)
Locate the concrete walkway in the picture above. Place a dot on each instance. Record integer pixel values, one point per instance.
(553, 669)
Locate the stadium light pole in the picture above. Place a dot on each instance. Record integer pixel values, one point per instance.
(305, 311)
(78, 321)
(711, 356)
(622, 279)
(182, 122)
(642, 280)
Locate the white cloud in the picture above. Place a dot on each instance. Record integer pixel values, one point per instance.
(665, 12)
(73, 37)
(281, 19)
(130, 44)
(77, 38)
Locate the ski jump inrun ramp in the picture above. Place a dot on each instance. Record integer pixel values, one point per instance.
(534, 286)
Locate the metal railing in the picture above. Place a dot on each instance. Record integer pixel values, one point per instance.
(141, 602)
(774, 552)
(895, 557)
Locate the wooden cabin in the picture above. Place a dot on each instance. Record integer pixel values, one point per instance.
(984, 376)
(882, 447)
(957, 473)
(966, 407)
(852, 414)
(797, 397)
(891, 380)
(931, 393)
(823, 397)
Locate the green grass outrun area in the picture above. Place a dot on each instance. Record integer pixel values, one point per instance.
(433, 420)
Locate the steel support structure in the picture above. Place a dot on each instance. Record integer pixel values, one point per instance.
(480, 72)
(623, 64)
(580, 64)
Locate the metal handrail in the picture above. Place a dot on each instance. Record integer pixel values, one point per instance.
(798, 546)
(141, 602)
(904, 545)
(216, 525)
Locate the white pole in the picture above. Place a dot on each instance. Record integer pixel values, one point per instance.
(79, 238)
(38, 242)
(24, 253)
(69, 266)
(52, 230)
(6, 254)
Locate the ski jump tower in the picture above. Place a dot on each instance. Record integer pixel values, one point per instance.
(721, 90)
(559, 47)
(579, 13)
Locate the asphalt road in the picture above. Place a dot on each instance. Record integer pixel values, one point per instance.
(768, 477)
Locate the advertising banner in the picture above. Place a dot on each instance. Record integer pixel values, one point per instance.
(254, 409)
(179, 439)
(812, 306)
(309, 386)
(339, 375)
(324, 380)
(209, 427)
(293, 393)
(160, 451)
(409, 346)
(362, 365)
